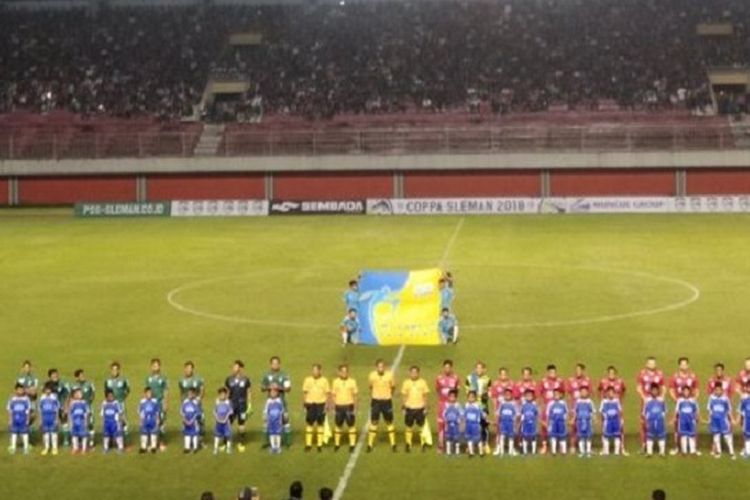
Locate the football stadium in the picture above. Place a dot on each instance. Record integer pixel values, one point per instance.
(368, 249)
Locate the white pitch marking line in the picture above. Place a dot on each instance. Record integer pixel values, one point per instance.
(352, 462)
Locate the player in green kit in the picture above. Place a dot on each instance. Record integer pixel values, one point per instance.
(276, 376)
(120, 388)
(88, 393)
(30, 384)
(190, 380)
(61, 390)
(159, 391)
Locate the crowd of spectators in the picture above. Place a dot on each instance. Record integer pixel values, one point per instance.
(321, 59)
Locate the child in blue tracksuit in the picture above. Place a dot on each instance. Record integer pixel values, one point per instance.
(584, 412)
(529, 423)
(610, 410)
(191, 411)
(49, 410)
(507, 416)
(78, 414)
(655, 417)
(223, 428)
(19, 415)
(453, 416)
(273, 415)
(687, 414)
(557, 423)
(473, 416)
(111, 414)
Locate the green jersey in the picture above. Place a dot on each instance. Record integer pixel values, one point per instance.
(278, 378)
(119, 386)
(87, 390)
(62, 390)
(192, 382)
(158, 385)
(28, 381)
(481, 385)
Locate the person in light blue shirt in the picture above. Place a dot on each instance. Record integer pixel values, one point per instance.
(446, 295)
(351, 296)
(655, 419)
(349, 328)
(720, 420)
(448, 327)
(49, 412)
(583, 416)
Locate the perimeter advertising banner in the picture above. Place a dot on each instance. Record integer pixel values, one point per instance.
(399, 307)
(119, 209)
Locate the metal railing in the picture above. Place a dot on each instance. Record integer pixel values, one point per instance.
(22, 144)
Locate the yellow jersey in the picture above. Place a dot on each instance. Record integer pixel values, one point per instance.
(414, 393)
(316, 390)
(344, 391)
(381, 386)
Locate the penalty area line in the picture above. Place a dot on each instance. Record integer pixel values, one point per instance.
(338, 494)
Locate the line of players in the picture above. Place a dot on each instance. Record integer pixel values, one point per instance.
(567, 414)
(67, 409)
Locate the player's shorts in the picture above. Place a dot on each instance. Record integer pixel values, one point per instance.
(474, 433)
(274, 428)
(239, 412)
(612, 430)
(315, 413)
(452, 432)
(506, 429)
(149, 428)
(344, 414)
(381, 407)
(529, 432)
(48, 427)
(558, 429)
(414, 416)
(719, 427)
(190, 430)
(19, 428)
(111, 430)
(223, 431)
(583, 429)
(79, 430)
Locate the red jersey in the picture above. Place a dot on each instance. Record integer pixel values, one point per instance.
(680, 381)
(497, 391)
(526, 385)
(548, 386)
(444, 384)
(726, 384)
(647, 378)
(742, 378)
(575, 384)
(616, 383)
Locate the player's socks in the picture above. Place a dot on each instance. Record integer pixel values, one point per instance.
(287, 437)
(105, 444)
(470, 447)
(352, 436)
(308, 436)
(54, 443)
(553, 445)
(144, 442)
(66, 435)
(74, 444)
(371, 435)
(84, 444)
(533, 447)
(500, 449)
(618, 446)
(730, 443)
(717, 445)
(448, 448)
(684, 445)
(46, 441)
(421, 436)
(691, 444)
(337, 436)
(605, 446)
(747, 447)
(217, 442)
(154, 442)
(392, 434)
(564, 447)
(581, 447)
(229, 446)
(588, 447)
(649, 447)
(409, 437)
(662, 447)
(321, 436)
(511, 448)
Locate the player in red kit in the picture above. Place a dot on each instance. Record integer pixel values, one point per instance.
(743, 378)
(446, 382)
(547, 388)
(720, 378)
(682, 378)
(648, 376)
(614, 381)
(502, 382)
(527, 383)
(573, 388)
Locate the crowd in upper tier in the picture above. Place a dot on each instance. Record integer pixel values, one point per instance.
(318, 60)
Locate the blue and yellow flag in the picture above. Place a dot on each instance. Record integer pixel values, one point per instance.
(399, 307)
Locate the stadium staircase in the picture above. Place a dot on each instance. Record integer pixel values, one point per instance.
(210, 140)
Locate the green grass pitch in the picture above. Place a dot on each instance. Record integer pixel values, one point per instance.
(81, 293)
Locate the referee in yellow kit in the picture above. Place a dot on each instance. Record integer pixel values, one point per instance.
(344, 392)
(414, 393)
(315, 393)
(382, 385)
